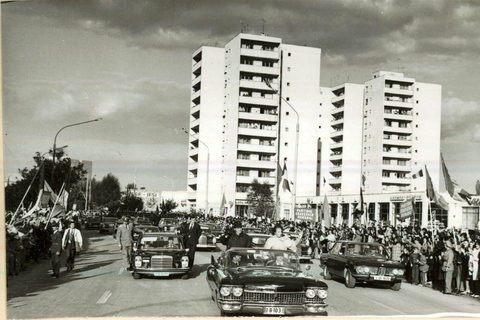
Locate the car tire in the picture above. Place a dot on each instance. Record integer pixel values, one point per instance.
(396, 286)
(136, 275)
(349, 279)
(326, 273)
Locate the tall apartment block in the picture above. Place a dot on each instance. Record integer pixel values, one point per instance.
(247, 126)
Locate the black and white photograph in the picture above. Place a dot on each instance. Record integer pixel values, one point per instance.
(216, 158)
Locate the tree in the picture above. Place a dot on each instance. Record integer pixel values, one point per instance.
(131, 203)
(477, 188)
(64, 173)
(260, 199)
(167, 206)
(107, 192)
(130, 188)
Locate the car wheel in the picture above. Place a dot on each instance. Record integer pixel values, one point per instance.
(136, 276)
(326, 273)
(396, 286)
(349, 279)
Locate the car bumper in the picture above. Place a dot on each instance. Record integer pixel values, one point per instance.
(259, 309)
(206, 246)
(305, 258)
(371, 278)
(161, 272)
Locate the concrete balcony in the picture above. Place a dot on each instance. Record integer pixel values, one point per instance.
(397, 181)
(258, 116)
(336, 111)
(195, 109)
(196, 95)
(337, 99)
(192, 181)
(272, 55)
(335, 169)
(393, 167)
(336, 157)
(258, 101)
(336, 134)
(273, 71)
(196, 80)
(256, 164)
(398, 104)
(397, 155)
(335, 181)
(196, 66)
(257, 85)
(257, 148)
(398, 91)
(241, 195)
(337, 122)
(193, 165)
(195, 123)
(336, 145)
(257, 132)
(396, 142)
(397, 129)
(248, 179)
(392, 116)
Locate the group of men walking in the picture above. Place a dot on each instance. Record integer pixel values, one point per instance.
(69, 242)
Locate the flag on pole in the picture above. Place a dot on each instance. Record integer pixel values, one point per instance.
(434, 195)
(222, 204)
(326, 212)
(359, 209)
(279, 175)
(286, 184)
(418, 174)
(363, 180)
(324, 181)
(454, 190)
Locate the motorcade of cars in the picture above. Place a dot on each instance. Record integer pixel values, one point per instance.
(207, 240)
(362, 262)
(142, 221)
(142, 229)
(159, 254)
(167, 224)
(107, 225)
(247, 281)
(216, 229)
(92, 222)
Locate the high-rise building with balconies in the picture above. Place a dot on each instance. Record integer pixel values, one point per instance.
(246, 127)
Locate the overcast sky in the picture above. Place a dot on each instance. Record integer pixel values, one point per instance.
(129, 62)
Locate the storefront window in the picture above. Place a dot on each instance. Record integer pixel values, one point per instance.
(440, 215)
(470, 217)
(384, 211)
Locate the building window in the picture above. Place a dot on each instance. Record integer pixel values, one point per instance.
(286, 144)
(366, 102)
(289, 54)
(288, 98)
(288, 68)
(288, 84)
(287, 113)
(417, 101)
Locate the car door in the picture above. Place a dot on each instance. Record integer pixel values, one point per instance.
(332, 258)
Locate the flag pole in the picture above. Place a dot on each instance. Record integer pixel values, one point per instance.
(54, 205)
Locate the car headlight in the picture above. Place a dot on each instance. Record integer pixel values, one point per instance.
(360, 269)
(397, 272)
(322, 293)
(138, 261)
(310, 293)
(225, 291)
(309, 251)
(214, 240)
(237, 291)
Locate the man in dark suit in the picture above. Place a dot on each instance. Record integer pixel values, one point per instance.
(56, 249)
(191, 240)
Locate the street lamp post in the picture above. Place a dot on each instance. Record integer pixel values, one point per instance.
(208, 169)
(267, 82)
(55, 143)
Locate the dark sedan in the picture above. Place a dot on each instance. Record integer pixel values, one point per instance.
(364, 262)
(264, 282)
(142, 229)
(107, 225)
(92, 223)
(159, 255)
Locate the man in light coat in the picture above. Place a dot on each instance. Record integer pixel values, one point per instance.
(125, 240)
(72, 243)
(448, 266)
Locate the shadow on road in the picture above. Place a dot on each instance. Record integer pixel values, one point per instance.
(197, 270)
(39, 278)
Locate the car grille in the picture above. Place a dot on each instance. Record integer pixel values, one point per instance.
(161, 262)
(381, 271)
(288, 298)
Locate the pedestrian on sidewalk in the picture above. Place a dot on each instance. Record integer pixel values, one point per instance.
(56, 249)
(72, 243)
(124, 240)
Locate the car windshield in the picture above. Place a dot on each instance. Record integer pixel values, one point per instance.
(274, 259)
(259, 241)
(147, 229)
(160, 242)
(363, 249)
(109, 220)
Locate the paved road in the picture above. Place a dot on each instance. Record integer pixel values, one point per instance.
(100, 287)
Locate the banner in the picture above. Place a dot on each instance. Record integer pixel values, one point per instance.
(407, 210)
(305, 214)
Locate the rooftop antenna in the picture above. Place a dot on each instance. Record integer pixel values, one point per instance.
(241, 23)
(263, 26)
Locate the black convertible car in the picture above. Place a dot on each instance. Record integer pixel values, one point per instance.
(159, 255)
(264, 282)
(365, 262)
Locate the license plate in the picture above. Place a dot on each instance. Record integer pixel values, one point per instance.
(161, 274)
(274, 310)
(383, 278)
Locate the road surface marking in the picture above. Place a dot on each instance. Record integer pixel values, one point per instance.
(385, 306)
(120, 271)
(104, 297)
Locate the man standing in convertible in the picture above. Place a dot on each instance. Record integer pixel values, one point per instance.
(238, 239)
